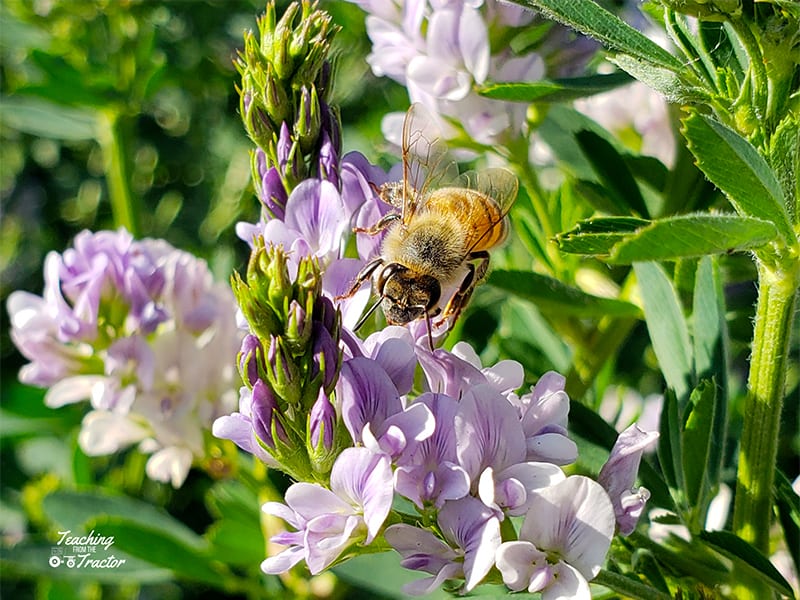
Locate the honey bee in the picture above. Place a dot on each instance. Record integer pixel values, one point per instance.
(438, 232)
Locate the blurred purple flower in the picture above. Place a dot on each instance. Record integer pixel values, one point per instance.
(618, 476)
(137, 328)
(329, 521)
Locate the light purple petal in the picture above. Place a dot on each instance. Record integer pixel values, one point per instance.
(365, 395)
(315, 209)
(568, 584)
(473, 39)
(282, 562)
(310, 500)
(574, 518)
(364, 479)
(393, 348)
(521, 565)
(475, 529)
(489, 432)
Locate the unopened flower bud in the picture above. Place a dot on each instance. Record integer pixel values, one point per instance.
(282, 373)
(276, 99)
(262, 319)
(273, 272)
(322, 425)
(307, 123)
(248, 359)
(309, 278)
(265, 415)
(298, 328)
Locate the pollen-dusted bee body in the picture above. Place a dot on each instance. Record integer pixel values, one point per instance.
(437, 237)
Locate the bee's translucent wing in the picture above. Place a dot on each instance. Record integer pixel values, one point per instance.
(499, 184)
(426, 163)
(496, 182)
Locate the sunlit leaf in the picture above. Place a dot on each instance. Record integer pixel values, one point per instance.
(732, 164)
(554, 90)
(47, 119)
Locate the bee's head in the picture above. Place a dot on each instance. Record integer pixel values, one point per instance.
(407, 296)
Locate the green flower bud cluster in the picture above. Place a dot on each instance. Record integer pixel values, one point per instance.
(285, 83)
(291, 361)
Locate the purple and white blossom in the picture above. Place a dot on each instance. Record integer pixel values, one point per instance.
(562, 543)
(137, 328)
(471, 535)
(329, 521)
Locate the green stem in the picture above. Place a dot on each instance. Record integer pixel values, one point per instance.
(628, 587)
(759, 444)
(114, 140)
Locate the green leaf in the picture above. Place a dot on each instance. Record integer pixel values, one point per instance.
(732, 164)
(47, 119)
(613, 173)
(554, 90)
(669, 442)
(552, 295)
(748, 558)
(592, 20)
(156, 546)
(699, 445)
(692, 235)
(788, 504)
(598, 235)
(236, 536)
(667, 327)
(665, 81)
(709, 327)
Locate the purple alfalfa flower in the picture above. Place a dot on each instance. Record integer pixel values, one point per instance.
(322, 422)
(250, 354)
(562, 542)
(489, 432)
(330, 521)
(325, 356)
(459, 370)
(430, 474)
(243, 427)
(512, 490)
(471, 535)
(618, 476)
(543, 413)
(272, 190)
(394, 349)
(373, 412)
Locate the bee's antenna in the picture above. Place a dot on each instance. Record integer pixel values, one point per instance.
(367, 314)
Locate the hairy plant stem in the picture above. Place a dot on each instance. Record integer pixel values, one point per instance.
(766, 385)
(114, 140)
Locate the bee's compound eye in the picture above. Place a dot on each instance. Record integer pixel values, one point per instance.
(387, 273)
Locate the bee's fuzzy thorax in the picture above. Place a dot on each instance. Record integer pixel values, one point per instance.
(433, 245)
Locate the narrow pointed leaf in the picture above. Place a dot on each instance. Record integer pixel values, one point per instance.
(747, 558)
(555, 90)
(612, 172)
(732, 164)
(589, 18)
(698, 447)
(667, 327)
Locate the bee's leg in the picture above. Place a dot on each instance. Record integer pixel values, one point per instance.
(477, 267)
(380, 225)
(364, 274)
